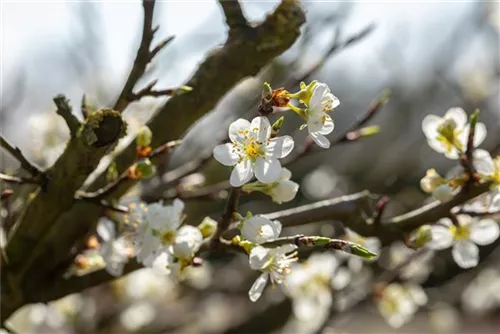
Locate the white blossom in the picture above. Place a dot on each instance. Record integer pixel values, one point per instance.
(449, 134)
(159, 229)
(486, 166)
(319, 123)
(259, 229)
(399, 303)
(114, 250)
(284, 190)
(274, 263)
(464, 237)
(310, 286)
(187, 242)
(443, 193)
(252, 151)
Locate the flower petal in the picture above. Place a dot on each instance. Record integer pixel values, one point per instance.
(441, 237)
(261, 128)
(320, 90)
(484, 232)
(106, 229)
(225, 154)
(483, 162)
(465, 253)
(285, 174)
(279, 147)
(328, 126)
(258, 287)
(237, 128)
(267, 170)
(258, 257)
(458, 115)
(319, 139)
(479, 134)
(241, 174)
(160, 264)
(430, 126)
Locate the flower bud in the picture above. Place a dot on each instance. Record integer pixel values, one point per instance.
(144, 169)
(207, 227)
(144, 136)
(187, 242)
(431, 180)
(443, 193)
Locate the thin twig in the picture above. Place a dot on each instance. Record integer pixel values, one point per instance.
(142, 57)
(16, 153)
(18, 179)
(227, 217)
(64, 110)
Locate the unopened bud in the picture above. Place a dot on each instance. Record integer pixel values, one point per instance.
(443, 193)
(144, 169)
(144, 136)
(277, 126)
(207, 227)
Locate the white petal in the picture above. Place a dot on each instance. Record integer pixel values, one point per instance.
(466, 254)
(321, 140)
(285, 174)
(178, 206)
(484, 232)
(443, 193)
(225, 154)
(320, 90)
(160, 264)
(439, 147)
(285, 249)
(341, 278)
(241, 174)
(267, 170)
(279, 147)
(336, 101)
(236, 128)
(479, 134)
(430, 126)
(458, 115)
(106, 229)
(483, 162)
(272, 230)
(258, 257)
(261, 128)
(259, 229)
(328, 126)
(258, 287)
(285, 191)
(441, 237)
(315, 121)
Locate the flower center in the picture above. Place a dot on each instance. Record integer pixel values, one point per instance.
(460, 232)
(167, 238)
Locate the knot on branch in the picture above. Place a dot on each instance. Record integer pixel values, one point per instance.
(103, 128)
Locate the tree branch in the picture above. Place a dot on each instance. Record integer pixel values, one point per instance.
(235, 19)
(17, 179)
(64, 110)
(16, 153)
(227, 217)
(142, 57)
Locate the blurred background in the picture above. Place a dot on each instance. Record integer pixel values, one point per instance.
(431, 56)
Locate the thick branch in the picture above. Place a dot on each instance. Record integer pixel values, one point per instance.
(235, 19)
(27, 243)
(227, 217)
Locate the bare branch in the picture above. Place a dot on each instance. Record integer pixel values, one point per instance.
(227, 217)
(16, 153)
(64, 110)
(142, 57)
(17, 179)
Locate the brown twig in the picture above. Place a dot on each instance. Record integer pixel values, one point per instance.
(227, 217)
(142, 58)
(64, 110)
(149, 91)
(25, 164)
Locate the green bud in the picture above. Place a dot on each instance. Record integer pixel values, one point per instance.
(267, 91)
(112, 172)
(146, 168)
(423, 236)
(247, 245)
(207, 227)
(369, 131)
(277, 125)
(474, 118)
(182, 90)
(144, 136)
(321, 241)
(358, 250)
